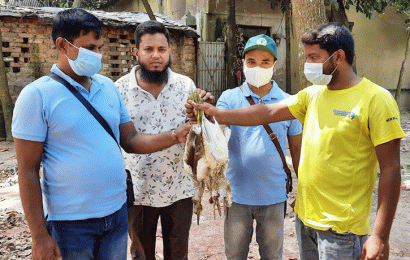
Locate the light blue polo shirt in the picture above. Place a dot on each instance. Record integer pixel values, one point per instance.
(255, 168)
(83, 170)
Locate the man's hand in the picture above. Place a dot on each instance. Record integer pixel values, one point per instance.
(192, 109)
(45, 248)
(182, 132)
(206, 97)
(375, 248)
(388, 155)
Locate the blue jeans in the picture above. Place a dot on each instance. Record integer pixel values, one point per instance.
(95, 238)
(238, 229)
(327, 245)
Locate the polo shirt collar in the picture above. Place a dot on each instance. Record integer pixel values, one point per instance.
(273, 93)
(94, 87)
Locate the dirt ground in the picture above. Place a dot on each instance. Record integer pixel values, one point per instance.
(206, 239)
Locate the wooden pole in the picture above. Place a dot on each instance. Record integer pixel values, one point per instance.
(403, 66)
(231, 46)
(6, 102)
(288, 18)
(149, 10)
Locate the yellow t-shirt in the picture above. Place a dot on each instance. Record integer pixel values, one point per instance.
(338, 164)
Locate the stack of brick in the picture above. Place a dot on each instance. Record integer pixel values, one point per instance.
(21, 36)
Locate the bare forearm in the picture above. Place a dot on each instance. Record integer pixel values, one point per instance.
(254, 115)
(388, 196)
(31, 199)
(295, 162)
(133, 142)
(295, 144)
(247, 116)
(144, 143)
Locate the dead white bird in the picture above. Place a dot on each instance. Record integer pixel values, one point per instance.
(206, 157)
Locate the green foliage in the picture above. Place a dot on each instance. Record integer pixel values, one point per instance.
(194, 96)
(36, 66)
(403, 6)
(372, 7)
(57, 3)
(67, 4)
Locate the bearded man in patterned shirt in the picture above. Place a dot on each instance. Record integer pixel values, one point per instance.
(155, 97)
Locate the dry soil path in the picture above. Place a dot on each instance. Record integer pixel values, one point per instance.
(206, 239)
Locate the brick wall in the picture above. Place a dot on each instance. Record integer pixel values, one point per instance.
(21, 35)
(18, 37)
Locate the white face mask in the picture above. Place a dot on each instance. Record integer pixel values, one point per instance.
(314, 73)
(258, 76)
(87, 63)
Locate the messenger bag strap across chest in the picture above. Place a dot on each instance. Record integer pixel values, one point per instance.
(274, 139)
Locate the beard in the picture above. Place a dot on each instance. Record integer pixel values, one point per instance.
(157, 77)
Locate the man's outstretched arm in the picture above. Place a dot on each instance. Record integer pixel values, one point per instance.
(133, 142)
(246, 116)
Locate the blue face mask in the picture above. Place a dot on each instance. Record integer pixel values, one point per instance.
(87, 63)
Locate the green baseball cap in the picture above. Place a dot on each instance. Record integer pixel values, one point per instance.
(261, 42)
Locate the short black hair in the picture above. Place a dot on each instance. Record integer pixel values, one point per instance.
(332, 37)
(69, 23)
(150, 27)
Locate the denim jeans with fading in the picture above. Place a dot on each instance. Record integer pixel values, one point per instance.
(327, 244)
(96, 238)
(238, 230)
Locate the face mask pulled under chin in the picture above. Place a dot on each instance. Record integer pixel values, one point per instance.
(258, 76)
(87, 63)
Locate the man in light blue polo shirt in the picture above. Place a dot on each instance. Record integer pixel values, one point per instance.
(255, 170)
(83, 184)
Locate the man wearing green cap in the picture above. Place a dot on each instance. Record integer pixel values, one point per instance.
(351, 126)
(255, 170)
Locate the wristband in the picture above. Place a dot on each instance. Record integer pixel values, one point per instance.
(174, 135)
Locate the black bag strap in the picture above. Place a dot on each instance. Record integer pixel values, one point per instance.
(274, 139)
(87, 104)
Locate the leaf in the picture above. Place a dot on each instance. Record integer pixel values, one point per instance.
(194, 96)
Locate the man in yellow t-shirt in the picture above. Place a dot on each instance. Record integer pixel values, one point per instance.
(350, 124)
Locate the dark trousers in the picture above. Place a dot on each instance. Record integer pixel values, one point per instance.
(175, 224)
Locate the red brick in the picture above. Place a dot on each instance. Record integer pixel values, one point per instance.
(124, 49)
(15, 65)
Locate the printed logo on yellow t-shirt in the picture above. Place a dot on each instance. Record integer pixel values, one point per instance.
(391, 118)
(350, 114)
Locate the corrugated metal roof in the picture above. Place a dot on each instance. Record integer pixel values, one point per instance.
(33, 3)
(116, 19)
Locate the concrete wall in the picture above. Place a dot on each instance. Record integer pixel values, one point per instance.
(249, 13)
(380, 41)
(21, 35)
(211, 16)
(380, 46)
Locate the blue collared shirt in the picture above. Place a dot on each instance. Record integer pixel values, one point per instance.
(83, 169)
(255, 168)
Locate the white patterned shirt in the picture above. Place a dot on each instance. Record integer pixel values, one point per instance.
(159, 178)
